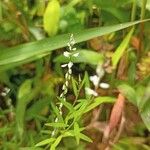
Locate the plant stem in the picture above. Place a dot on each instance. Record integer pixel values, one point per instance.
(143, 9)
(133, 13)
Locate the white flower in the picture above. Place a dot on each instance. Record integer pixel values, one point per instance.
(3, 94)
(66, 83)
(70, 64)
(72, 41)
(100, 71)
(74, 49)
(104, 85)
(69, 76)
(95, 80)
(61, 95)
(64, 87)
(7, 90)
(61, 105)
(66, 75)
(66, 54)
(64, 65)
(76, 54)
(90, 91)
(70, 72)
(68, 44)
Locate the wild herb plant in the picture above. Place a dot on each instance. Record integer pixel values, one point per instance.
(38, 104)
(70, 124)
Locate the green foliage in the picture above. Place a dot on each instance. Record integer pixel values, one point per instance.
(31, 51)
(111, 37)
(121, 48)
(69, 126)
(51, 17)
(140, 97)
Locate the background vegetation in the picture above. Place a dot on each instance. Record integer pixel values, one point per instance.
(112, 41)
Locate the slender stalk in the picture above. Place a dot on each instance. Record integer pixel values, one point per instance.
(68, 75)
(1, 15)
(143, 9)
(142, 16)
(133, 13)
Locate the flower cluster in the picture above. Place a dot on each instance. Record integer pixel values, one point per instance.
(95, 79)
(68, 54)
(5, 91)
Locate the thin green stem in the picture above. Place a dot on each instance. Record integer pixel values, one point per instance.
(133, 13)
(142, 16)
(143, 9)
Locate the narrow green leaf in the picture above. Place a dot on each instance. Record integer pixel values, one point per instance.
(98, 101)
(56, 125)
(57, 141)
(37, 108)
(77, 132)
(144, 107)
(74, 85)
(81, 102)
(34, 50)
(82, 82)
(78, 113)
(45, 142)
(120, 50)
(68, 133)
(25, 89)
(128, 92)
(145, 114)
(66, 104)
(56, 111)
(87, 84)
(145, 98)
(132, 67)
(22, 100)
(1, 11)
(85, 138)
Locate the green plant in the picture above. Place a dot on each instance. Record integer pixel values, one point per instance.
(110, 60)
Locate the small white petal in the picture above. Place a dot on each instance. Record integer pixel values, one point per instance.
(72, 41)
(56, 119)
(61, 105)
(70, 71)
(66, 83)
(70, 64)
(76, 54)
(60, 112)
(94, 79)
(64, 87)
(61, 95)
(104, 85)
(67, 75)
(7, 90)
(100, 71)
(68, 44)
(70, 48)
(65, 92)
(66, 54)
(64, 65)
(3, 94)
(74, 49)
(90, 91)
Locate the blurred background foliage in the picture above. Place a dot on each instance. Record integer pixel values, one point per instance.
(31, 76)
